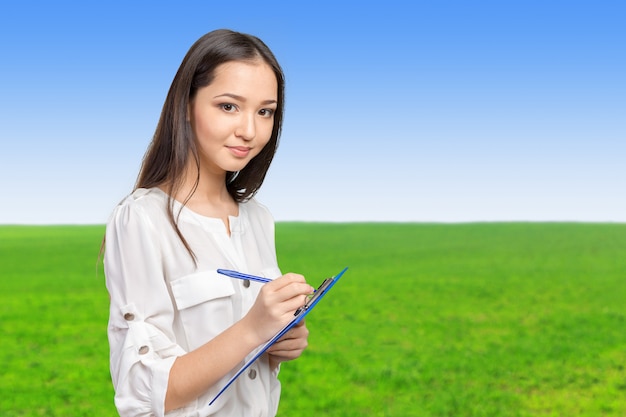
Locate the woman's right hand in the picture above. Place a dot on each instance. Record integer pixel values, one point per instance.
(275, 305)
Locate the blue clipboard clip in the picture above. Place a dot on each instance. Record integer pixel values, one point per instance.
(300, 313)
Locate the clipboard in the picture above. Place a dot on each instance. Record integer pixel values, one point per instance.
(300, 313)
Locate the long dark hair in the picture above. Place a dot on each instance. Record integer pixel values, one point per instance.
(168, 154)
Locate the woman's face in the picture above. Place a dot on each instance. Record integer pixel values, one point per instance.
(233, 117)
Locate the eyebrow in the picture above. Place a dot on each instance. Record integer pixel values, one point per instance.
(243, 99)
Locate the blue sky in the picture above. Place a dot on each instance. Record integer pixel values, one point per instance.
(447, 111)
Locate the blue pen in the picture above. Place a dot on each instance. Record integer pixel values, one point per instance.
(241, 275)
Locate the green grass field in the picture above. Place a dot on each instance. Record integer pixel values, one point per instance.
(493, 319)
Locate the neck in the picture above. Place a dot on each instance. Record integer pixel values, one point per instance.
(210, 197)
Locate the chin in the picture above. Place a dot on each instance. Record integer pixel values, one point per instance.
(235, 167)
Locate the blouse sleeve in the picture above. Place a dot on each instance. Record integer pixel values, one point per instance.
(140, 333)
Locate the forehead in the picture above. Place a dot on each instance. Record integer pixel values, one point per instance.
(246, 78)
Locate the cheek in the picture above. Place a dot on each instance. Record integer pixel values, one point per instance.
(259, 148)
(266, 134)
(205, 131)
(266, 139)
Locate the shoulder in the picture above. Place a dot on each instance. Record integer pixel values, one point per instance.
(255, 209)
(143, 204)
(257, 218)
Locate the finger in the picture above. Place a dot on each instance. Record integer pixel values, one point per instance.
(281, 359)
(292, 290)
(292, 305)
(289, 345)
(281, 308)
(287, 356)
(287, 279)
(297, 332)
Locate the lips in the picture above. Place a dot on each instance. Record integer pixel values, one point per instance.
(239, 151)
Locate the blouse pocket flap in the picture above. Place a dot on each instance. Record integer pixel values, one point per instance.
(200, 287)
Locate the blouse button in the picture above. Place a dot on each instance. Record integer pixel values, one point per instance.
(143, 350)
(246, 283)
(129, 316)
(252, 374)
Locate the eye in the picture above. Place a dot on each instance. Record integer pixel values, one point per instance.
(227, 107)
(267, 112)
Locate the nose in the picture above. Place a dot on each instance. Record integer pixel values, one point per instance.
(246, 128)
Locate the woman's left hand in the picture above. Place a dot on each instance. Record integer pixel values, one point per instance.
(290, 346)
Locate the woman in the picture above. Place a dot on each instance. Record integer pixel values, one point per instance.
(177, 329)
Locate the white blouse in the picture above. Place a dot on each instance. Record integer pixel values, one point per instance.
(162, 305)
